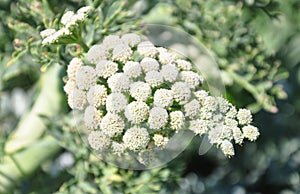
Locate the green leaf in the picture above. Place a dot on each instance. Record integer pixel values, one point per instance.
(113, 11)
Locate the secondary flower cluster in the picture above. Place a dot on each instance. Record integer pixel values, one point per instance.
(69, 22)
(136, 96)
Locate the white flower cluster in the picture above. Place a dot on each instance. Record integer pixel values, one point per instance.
(68, 21)
(223, 124)
(137, 96)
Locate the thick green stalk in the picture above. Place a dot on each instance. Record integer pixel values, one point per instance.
(48, 103)
(25, 148)
(21, 164)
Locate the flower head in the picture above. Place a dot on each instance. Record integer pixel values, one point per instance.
(154, 78)
(119, 82)
(137, 112)
(47, 32)
(227, 148)
(163, 98)
(192, 109)
(116, 102)
(232, 112)
(111, 41)
(140, 91)
(191, 78)
(250, 132)
(132, 69)
(106, 68)
(149, 64)
(160, 141)
(136, 139)
(147, 49)
(73, 67)
(97, 95)
(169, 73)
(215, 135)
(131, 39)
(183, 64)
(200, 126)
(85, 77)
(237, 135)
(210, 104)
(98, 140)
(201, 95)
(77, 99)
(112, 125)
(158, 118)
(181, 91)
(67, 17)
(69, 22)
(226, 132)
(97, 53)
(122, 53)
(84, 10)
(92, 117)
(177, 120)
(70, 86)
(165, 58)
(244, 116)
(223, 104)
(56, 36)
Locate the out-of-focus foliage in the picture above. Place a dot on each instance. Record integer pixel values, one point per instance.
(255, 43)
(241, 53)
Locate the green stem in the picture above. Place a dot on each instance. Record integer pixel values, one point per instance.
(48, 103)
(83, 45)
(245, 84)
(18, 165)
(25, 150)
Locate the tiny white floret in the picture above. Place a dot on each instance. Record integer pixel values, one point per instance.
(169, 72)
(163, 98)
(105, 68)
(112, 125)
(85, 77)
(132, 69)
(131, 39)
(149, 64)
(92, 117)
(250, 132)
(119, 82)
(116, 102)
(181, 91)
(140, 91)
(97, 95)
(122, 53)
(244, 116)
(137, 112)
(154, 78)
(158, 118)
(136, 139)
(97, 53)
(98, 140)
(177, 120)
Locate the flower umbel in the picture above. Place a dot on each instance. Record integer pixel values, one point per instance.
(136, 104)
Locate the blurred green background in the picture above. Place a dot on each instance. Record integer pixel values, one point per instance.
(256, 45)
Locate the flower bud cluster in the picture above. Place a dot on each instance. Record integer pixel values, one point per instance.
(69, 22)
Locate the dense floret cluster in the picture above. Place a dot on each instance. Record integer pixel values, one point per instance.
(137, 96)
